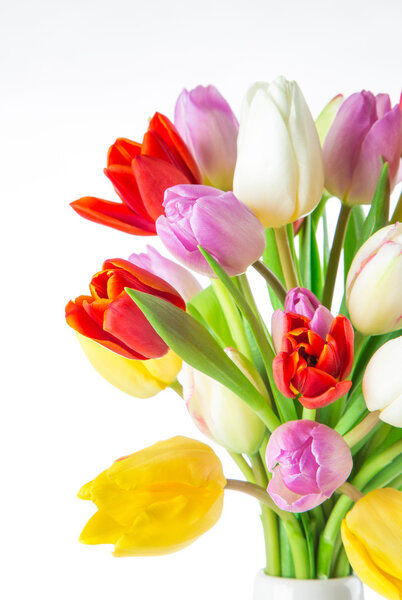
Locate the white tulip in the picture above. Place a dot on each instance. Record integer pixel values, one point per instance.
(382, 382)
(220, 414)
(279, 172)
(374, 283)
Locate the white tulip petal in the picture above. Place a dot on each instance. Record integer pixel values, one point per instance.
(382, 381)
(393, 413)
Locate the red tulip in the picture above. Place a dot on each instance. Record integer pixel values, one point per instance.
(111, 318)
(140, 174)
(310, 366)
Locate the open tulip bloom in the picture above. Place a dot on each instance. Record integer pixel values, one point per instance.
(309, 405)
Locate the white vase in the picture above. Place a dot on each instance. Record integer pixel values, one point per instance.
(282, 588)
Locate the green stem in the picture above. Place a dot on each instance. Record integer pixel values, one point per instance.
(233, 317)
(243, 466)
(331, 530)
(309, 413)
(335, 254)
(397, 216)
(342, 566)
(285, 255)
(292, 526)
(177, 387)
(362, 429)
(272, 280)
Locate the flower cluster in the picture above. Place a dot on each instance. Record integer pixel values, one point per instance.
(309, 408)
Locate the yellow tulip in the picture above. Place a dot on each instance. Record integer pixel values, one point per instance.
(372, 537)
(157, 500)
(139, 378)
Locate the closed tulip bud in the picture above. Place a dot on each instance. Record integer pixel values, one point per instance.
(178, 277)
(209, 127)
(309, 461)
(374, 283)
(201, 215)
(385, 367)
(157, 500)
(279, 171)
(366, 131)
(220, 414)
(372, 537)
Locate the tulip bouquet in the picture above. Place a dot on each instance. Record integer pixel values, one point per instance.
(309, 406)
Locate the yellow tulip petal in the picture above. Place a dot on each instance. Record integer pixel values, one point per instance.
(101, 529)
(366, 569)
(377, 521)
(177, 459)
(130, 376)
(165, 369)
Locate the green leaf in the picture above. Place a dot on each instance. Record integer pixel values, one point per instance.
(272, 260)
(194, 344)
(206, 308)
(379, 211)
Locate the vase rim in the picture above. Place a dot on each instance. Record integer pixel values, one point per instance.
(293, 579)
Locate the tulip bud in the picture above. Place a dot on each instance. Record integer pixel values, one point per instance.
(209, 127)
(178, 277)
(374, 283)
(386, 396)
(220, 414)
(309, 461)
(139, 378)
(372, 537)
(365, 132)
(201, 215)
(279, 171)
(157, 500)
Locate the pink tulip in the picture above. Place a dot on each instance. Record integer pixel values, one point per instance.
(366, 131)
(309, 461)
(201, 215)
(178, 277)
(209, 127)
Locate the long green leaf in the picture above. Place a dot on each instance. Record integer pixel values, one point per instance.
(379, 211)
(194, 344)
(272, 260)
(206, 305)
(352, 237)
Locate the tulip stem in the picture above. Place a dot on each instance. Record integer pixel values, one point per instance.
(362, 429)
(350, 491)
(177, 387)
(243, 466)
(309, 413)
(233, 317)
(335, 254)
(273, 281)
(285, 254)
(397, 215)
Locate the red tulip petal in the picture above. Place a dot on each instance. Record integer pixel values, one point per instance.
(125, 321)
(342, 332)
(126, 187)
(328, 360)
(113, 215)
(284, 366)
(144, 281)
(316, 382)
(168, 132)
(78, 319)
(153, 177)
(329, 396)
(122, 152)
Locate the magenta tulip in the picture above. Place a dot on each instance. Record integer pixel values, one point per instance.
(201, 215)
(209, 127)
(309, 461)
(366, 131)
(178, 277)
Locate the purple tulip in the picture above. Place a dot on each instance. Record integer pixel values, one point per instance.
(366, 130)
(201, 215)
(309, 461)
(209, 127)
(302, 302)
(178, 277)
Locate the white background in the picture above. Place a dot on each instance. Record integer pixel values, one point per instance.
(75, 75)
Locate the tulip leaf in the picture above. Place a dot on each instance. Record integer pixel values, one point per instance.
(379, 212)
(205, 307)
(352, 237)
(272, 260)
(194, 344)
(310, 261)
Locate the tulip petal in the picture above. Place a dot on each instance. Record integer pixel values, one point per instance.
(101, 529)
(126, 187)
(113, 215)
(343, 334)
(153, 177)
(122, 152)
(327, 397)
(287, 500)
